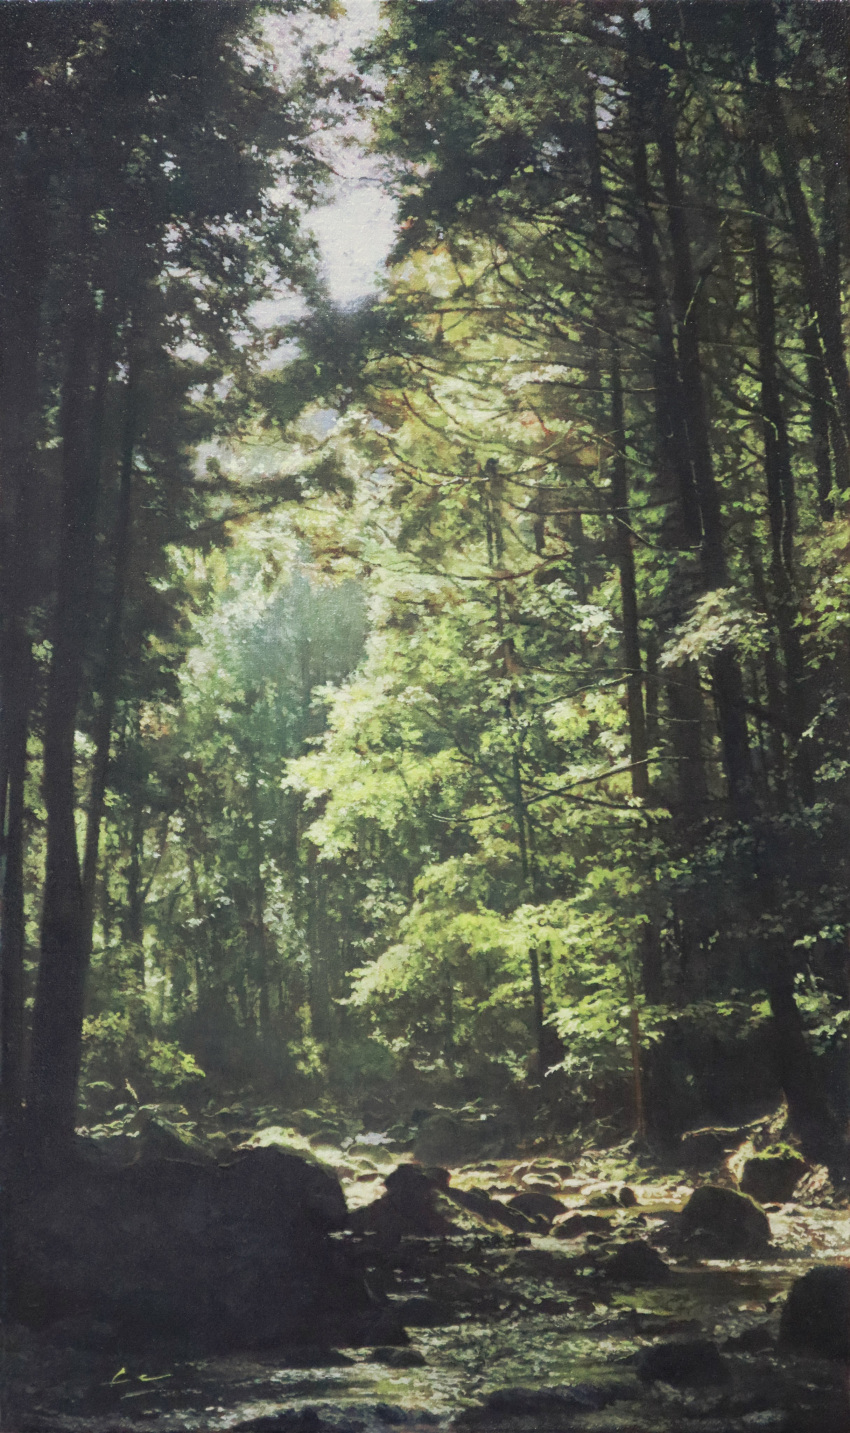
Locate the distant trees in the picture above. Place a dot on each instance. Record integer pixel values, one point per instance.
(623, 271)
(524, 746)
(144, 151)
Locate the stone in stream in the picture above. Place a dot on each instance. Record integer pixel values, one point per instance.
(723, 1224)
(412, 1205)
(286, 1420)
(688, 1363)
(816, 1316)
(573, 1225)
(203, 1256)
(636, 1262)
(772, 1174)
(537, 1204)
(705, 1149)
(550, 1408)
(398, 1357)
(627, 1197)
(452, 1140)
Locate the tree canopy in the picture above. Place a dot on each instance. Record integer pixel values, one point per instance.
(459, 692)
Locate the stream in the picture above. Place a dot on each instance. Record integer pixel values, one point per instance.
(508, 1333)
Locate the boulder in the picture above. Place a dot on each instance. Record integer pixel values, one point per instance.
(602, 1199)
(206, 1256)
(451, 1139)
(687, 1363)
(723, 1224)
(816, 1316)
(705, 1149)
(636, 1262)
(414, 1204)
(575, 1224)
(537, 1205)
(627, 1197)
(771, 1175)
(545, 1408)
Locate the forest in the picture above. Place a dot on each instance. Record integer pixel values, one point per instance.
(424, 719)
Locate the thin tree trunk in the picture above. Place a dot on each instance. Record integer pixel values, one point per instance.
(815, 278)
(22, 267)
(105, 717)
(781, 496)
(638, 749)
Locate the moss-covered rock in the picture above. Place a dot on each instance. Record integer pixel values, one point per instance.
(724, 1224)
(771, 1175)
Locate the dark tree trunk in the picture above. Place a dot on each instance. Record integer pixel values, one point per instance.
(60, 993)
(821, 1136)
(822, 427)
(781, 495)
(22, 268)
(726, 677)
(816, 280)
(638, 749)
(105, 716)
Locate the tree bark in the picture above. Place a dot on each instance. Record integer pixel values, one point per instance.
(22, 274)
(781, 495)
(60, 992)
(815, 276)
(638, 749)
(105, 716)
(726, 677)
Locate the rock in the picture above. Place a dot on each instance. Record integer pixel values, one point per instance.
(573, 1225)
(627, 1197)
(207, 1256)
(772, 1174)
(478, 1202)
(691, 1363)
(816, 1316)
(453, 1140)
(412, 1205)
(724, 1224)
(286, 1420)
(636, 1262)
(553, 1408)
(425, 1313)
(398, 1357)
(705, 1149)
(603, 1199)
(757, 1339)
(537, 1205)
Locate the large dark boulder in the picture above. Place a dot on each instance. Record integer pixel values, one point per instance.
(536, 1205)
(636, 1262)
(816, 1316)
(771, 1175)
(689, 1363)
(723, 1224)
(201, 1255)
(704, 1149)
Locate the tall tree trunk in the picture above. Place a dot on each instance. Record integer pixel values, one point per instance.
(60, 992)
(781, 495)
(822, 427)
(105, 716)
(817, 286)
(22, 270)
(726, 677)
(638, 749)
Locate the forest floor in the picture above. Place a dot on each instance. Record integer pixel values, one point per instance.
(507, 1332)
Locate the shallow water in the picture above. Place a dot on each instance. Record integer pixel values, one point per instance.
(534, 1315)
